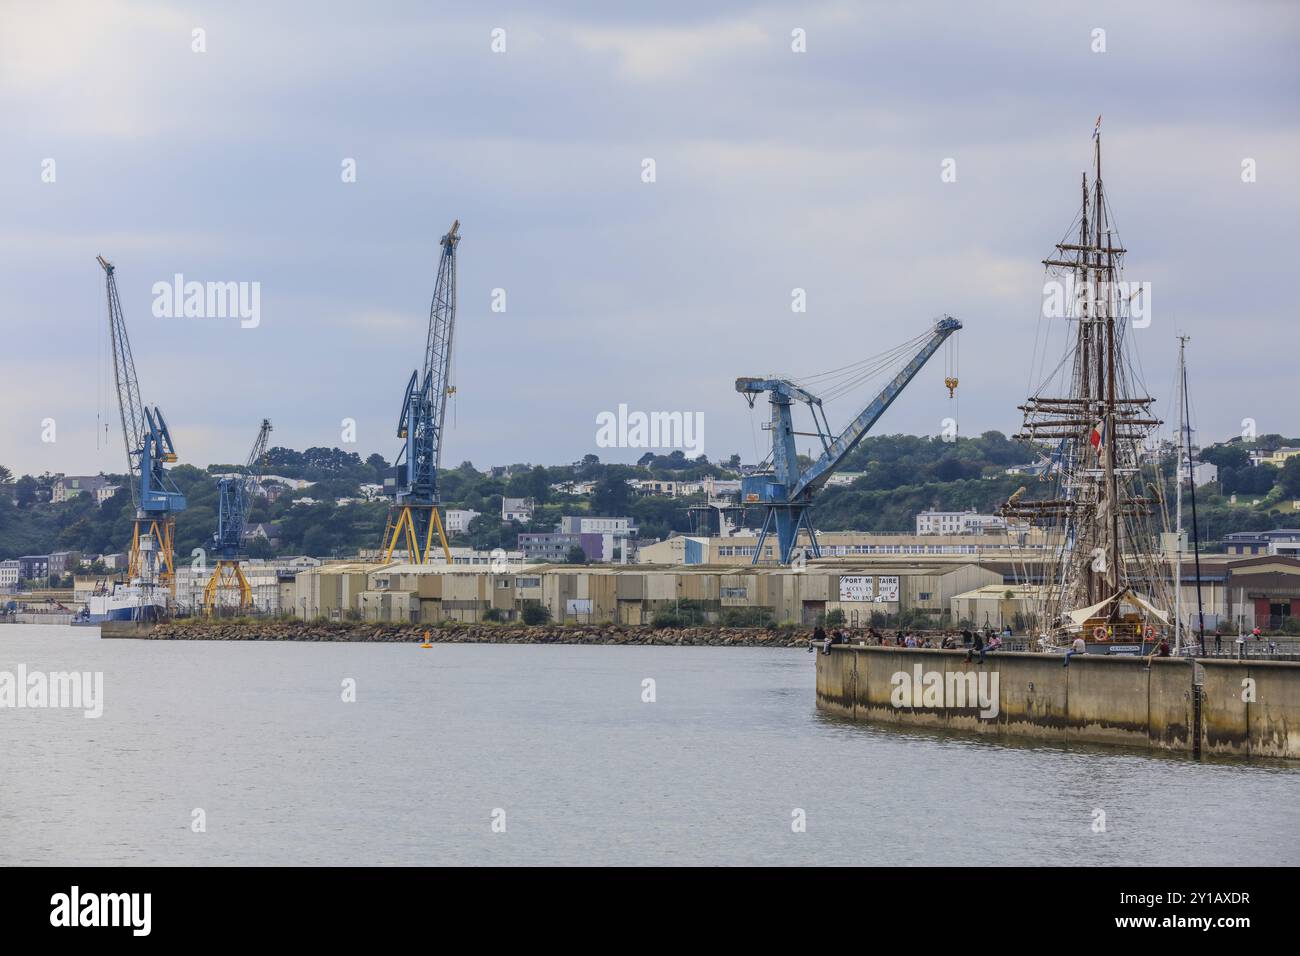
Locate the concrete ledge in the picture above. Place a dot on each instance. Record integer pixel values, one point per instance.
(127, 629)
(1247, 708)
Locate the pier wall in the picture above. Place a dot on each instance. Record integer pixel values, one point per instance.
(1246, 708)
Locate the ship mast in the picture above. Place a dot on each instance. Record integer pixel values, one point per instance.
(1096, 426)
(1178, 512)
(1112, 486)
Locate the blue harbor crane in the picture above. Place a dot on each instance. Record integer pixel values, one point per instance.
(148, 448)
(786, 493)
(234, 497)
(414, 518)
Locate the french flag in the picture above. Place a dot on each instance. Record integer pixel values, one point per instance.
(1098, 437)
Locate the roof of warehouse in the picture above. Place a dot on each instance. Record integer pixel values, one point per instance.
(345, 567)
(839, 567)
(999, 590)
(683, 569)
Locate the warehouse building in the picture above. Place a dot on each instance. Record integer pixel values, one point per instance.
(738, 549)
(633, 594)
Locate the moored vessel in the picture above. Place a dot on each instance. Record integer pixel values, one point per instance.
(1102, 576)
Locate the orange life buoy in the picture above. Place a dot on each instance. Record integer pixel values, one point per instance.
(1151, 632)
(1099, 633)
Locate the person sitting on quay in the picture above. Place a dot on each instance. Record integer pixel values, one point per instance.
(977, 646)
(1078, 647)
(818, 637)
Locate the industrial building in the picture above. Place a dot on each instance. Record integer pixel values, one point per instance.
(1237, 592)
(600, 538)
(738, 549)
(1280, 541)
(959, 522)
(548, 546)
(271, 584)
(407, 593)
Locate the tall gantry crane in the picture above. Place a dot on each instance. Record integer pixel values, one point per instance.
(234, 498)
(786, 493)
(148, 447)
(414, 516)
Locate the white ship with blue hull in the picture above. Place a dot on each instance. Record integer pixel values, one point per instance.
(125, 602)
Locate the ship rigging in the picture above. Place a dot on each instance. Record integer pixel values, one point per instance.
(1091, 419)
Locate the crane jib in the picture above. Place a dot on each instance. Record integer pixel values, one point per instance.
(145, 433)
(787, 492)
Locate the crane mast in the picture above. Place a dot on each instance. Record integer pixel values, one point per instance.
(414, 518)
(787, 493)
(234, 498)
(149, 447)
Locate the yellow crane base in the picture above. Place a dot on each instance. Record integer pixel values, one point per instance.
(404, 531)
(227, 577)
(164, 533)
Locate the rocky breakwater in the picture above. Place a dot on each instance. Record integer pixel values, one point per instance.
(456, 633)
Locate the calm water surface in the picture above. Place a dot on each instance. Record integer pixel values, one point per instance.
(257, 735)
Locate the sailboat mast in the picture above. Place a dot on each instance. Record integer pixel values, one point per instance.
(1178, 499)
(1114, 555)
(1085, 276)
(1196, 541)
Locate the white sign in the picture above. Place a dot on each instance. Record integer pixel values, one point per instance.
(888, 589)
(855, 587)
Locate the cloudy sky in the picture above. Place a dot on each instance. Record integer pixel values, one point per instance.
(774, 170)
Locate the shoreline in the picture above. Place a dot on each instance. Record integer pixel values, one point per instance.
(374, 633)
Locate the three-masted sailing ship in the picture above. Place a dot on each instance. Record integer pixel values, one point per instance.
(1100, 576)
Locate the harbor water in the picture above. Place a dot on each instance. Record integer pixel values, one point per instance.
(252, 753)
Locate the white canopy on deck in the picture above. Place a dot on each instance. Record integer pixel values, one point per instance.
(1081, 616)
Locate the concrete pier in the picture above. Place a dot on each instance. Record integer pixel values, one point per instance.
(1220, 707)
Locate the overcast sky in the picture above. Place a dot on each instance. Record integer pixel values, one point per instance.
(774, 170)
